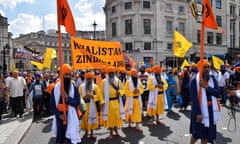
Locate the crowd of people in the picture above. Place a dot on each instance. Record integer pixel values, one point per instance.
(109, 97)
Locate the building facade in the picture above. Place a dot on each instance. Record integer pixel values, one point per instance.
(39, 41)
(146, 27)
(5, 44)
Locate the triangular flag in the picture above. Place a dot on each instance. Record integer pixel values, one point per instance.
(193, 7)
(65, 17)
(184, 64)
(180, 45)
(208, 15)
(217, 62)
(54, 53)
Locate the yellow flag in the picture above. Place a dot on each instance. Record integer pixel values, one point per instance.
(180, 45)
(54, 53)
(49, 54)
(185, 63)
(39, 65)
(217, 62)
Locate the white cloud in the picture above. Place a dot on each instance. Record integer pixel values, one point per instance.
(25, 23)
(12, 3)
(88, 16)
(2, 12)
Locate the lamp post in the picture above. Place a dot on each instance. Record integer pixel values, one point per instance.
(94, 30)
(4, 52)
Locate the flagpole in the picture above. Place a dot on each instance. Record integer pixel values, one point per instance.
(61, 63)
(201, 56)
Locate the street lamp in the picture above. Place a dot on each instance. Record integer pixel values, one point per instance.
(4, 52)
(94, 30)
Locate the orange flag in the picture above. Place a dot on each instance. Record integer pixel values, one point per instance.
(65, 17)
(208, 15)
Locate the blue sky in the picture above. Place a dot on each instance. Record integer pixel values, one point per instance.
(26, 16)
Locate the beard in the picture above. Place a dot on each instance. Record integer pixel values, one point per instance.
(206, 76)
(135, 80)
(67, 84)
(158, 77)
(89, 85)
(111, 77)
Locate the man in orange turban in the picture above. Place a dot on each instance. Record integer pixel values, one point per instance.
(205, 110)
(90, 93)
(157, 86)
(113, 111)
(133, 107)
(65, 121)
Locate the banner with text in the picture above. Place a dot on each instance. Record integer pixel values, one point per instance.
(90, 54)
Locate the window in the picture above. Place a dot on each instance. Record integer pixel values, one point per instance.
(210, 37)
(169, 28)
(219, 38)
(168, 7)
(219, 20)
(232, 10)
(114, 29)
(128, 46)
(113, 9)
(147, 46)
(182, 28)
(199, 1)
(198, 36)
(128, 5)
(147, 26)
(146, 4)
(128, 26)
(218, 4)
(181, 9)
(169, 46)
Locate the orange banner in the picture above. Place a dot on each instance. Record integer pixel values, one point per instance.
(90, 54)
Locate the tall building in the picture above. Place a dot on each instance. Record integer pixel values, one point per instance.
(5, 44)
(145, 28)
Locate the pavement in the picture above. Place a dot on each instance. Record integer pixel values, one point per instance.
(13, 129)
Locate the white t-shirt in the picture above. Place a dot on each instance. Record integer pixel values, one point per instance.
(222, 79)
(16, 86)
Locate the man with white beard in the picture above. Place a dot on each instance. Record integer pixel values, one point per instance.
(113, 111)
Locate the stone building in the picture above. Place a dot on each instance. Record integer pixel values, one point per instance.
(5, 44)
(145, 28)
(39, 41)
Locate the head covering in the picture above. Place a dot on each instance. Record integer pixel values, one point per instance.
(175, 70)
(111, 69)
(133, 71)
(163, 69)
(223, 67)
(37, 75)
(128, 73)
(149, 70)
(121, 69)
(237, 69)
(66, 68)
(89, 75)
(156, 69)
(205, 63)
(228, 65)
(143, 65)
(103, 68)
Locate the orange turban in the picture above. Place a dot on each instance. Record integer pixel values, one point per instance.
(228, 65)
(89, 75)
(103, 68)
(121, 69)
(111, 69)
(149, 70)
(205, 63)
(237, 69)
(163, 69)
(66, 68)
(156, 69)
(133, 71)
(128, 73)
